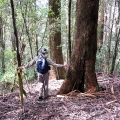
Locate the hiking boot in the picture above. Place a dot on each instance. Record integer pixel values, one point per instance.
(46, 97)
(40, 98)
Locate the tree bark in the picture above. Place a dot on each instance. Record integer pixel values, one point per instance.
(27, 29)
(110, 37)
(81, 72)
(101, 26)
(55, 37)
(69, 29)
(18, 54)
(115, 53)
(2, 45)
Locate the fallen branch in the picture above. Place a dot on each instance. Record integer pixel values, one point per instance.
(111, 102)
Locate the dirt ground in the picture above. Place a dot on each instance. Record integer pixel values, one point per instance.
(104, 105)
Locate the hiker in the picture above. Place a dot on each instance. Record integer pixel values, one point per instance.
(43, 74)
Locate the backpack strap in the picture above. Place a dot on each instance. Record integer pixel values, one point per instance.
(39, 56)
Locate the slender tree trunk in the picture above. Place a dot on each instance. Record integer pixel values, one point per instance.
(69, 28)
(3, 56)
(2, 45)
(13, 40)
(111, 20)
(27, 30)
(18, 54)
(36, 35)
(101, 26)
(117, 37)
(55, 37)
(81, 72)
(115, 52)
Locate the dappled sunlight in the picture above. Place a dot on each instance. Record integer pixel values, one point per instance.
(54, 86)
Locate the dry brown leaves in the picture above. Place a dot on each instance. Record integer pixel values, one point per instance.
(102, 105)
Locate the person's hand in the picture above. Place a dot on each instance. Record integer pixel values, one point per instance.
(21, 67)
(65, 65)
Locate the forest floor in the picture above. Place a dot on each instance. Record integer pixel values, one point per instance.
(103, 105)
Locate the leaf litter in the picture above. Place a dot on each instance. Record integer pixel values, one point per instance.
(103, 105)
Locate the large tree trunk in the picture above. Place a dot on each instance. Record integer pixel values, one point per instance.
(81, 72)
(55, 37)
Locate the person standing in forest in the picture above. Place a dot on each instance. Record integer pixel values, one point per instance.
(42, 65)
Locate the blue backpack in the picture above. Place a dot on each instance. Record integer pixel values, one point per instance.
(42, 65)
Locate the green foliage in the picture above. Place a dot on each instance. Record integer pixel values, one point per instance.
(101, 60)
(51, 13)
(3, 2)
(102, 57)
(57, 3)
(8, 77)
(28, 75)
(10, 68)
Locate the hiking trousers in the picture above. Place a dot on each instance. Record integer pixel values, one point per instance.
(43, 79)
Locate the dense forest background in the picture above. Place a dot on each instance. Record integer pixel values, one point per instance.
(75, 32)
(34, 29)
